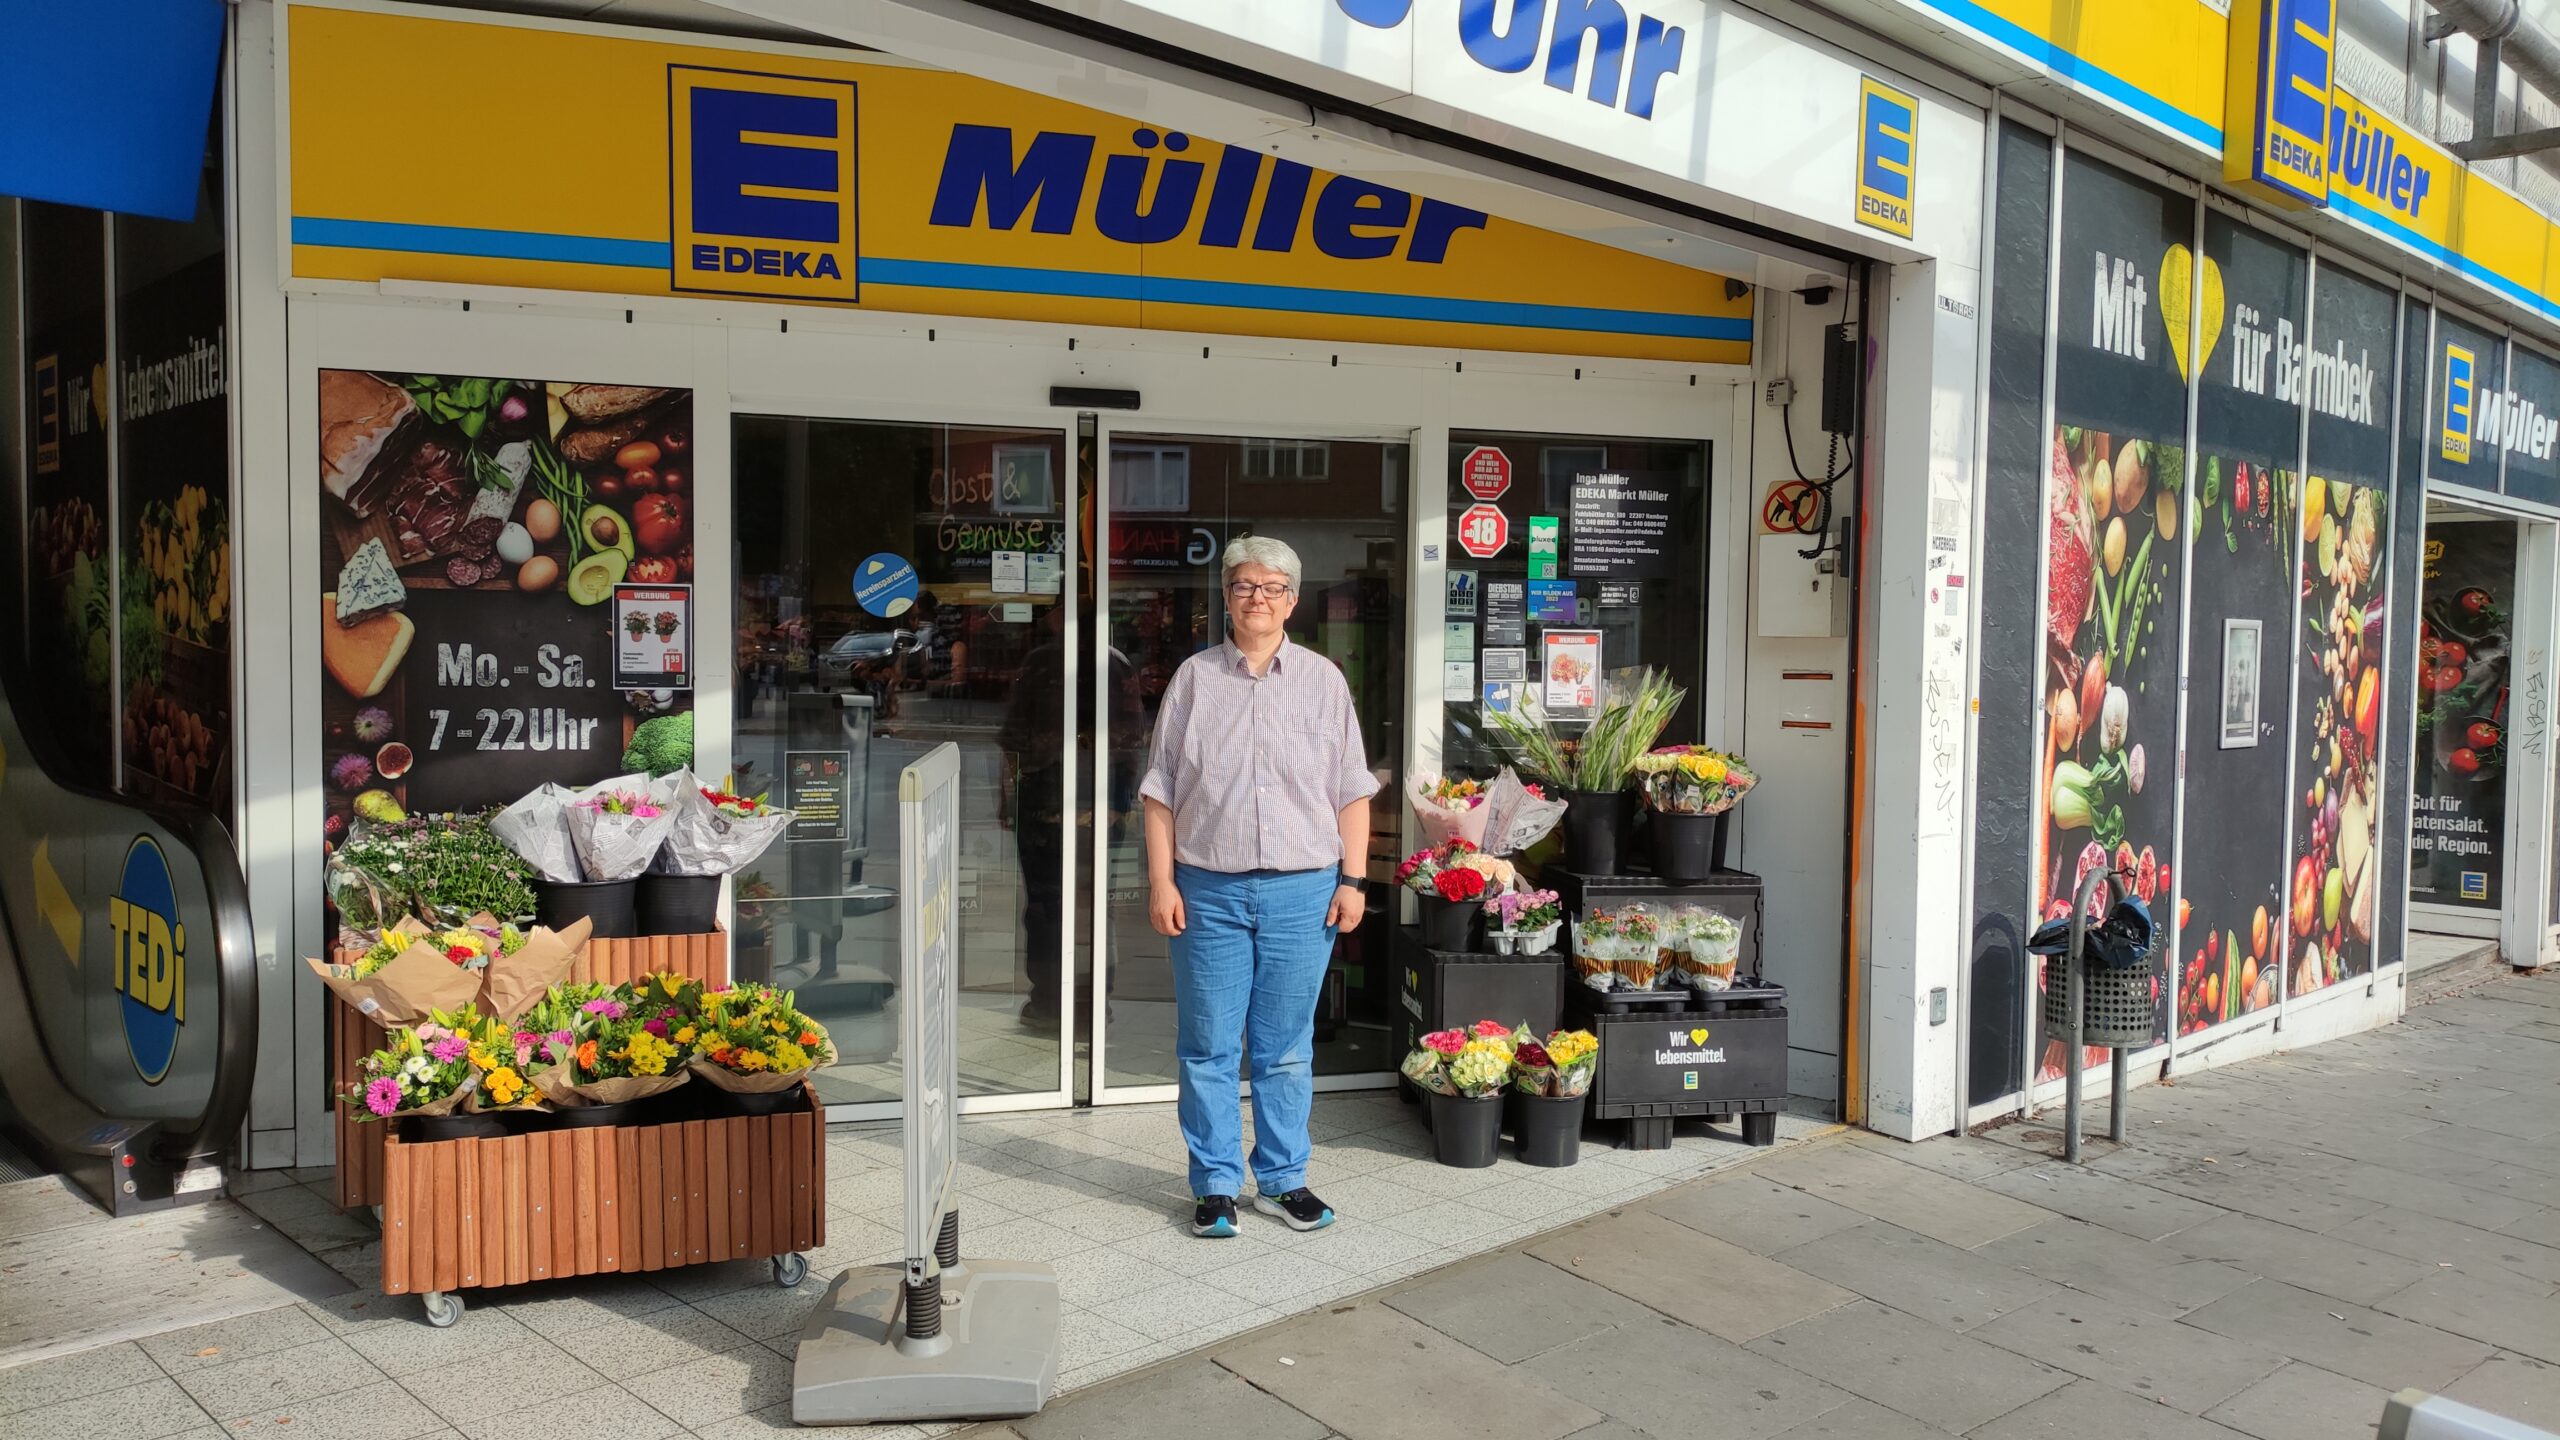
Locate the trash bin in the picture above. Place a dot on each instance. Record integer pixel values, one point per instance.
(2117, 1006)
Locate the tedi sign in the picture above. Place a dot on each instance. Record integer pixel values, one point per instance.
(1631, 56)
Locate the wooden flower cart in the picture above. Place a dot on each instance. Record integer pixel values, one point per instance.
(546, 1204)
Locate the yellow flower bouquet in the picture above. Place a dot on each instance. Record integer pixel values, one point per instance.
(752, 1040)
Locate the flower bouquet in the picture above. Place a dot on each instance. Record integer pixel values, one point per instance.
(421, 1069)
(1518, 814)
(1688, 787)
(1523, 920)
(710, 833)
(412, 971)
(751, 1040)
(1453, 879)
(617, 828)
(1463, 1073)
(1446, 808)
(504, 1081)
(1692, 780)
(628, 1043)
(1550, 1084)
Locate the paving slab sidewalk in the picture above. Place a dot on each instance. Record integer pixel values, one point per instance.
(2281, 1245)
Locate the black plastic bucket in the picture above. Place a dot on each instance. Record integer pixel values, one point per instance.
(678, 904)
(590, 1117)
(1450, 925)
(610, 904)
(1685, 846)
(459, 1125)
(1550, 1129)
(1595, 829)
(1466, 1134)
(720, 1104)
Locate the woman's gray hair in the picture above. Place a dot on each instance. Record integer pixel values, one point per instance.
(1259, 550)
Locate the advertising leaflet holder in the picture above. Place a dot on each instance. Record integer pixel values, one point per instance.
(931, 1339)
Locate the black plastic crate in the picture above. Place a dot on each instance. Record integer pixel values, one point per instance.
(1439, 989)
(1686, 1062)
(1735, 892)
(1650, 1127)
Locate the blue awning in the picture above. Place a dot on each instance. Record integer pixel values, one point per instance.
(104, 103)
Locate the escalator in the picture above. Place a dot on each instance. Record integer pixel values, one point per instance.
(128, 984)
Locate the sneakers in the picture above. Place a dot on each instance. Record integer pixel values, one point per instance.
(1299, 1209)
(1214, 1217)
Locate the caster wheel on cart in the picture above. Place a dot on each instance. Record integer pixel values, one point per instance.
(443, 1308)
(789, 1270)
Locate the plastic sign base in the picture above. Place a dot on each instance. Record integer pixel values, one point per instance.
(996, 1358)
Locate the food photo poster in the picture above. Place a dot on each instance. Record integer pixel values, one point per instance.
(476, 532)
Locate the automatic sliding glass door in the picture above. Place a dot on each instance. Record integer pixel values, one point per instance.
(1170, 503)
(901, 585)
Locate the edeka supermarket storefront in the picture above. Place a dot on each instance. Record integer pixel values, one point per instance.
(900, 406)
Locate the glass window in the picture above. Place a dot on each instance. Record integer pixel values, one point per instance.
(898, 587)
(1638, 576)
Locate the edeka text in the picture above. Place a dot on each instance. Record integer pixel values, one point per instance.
(1048, 183)
(1630, 55)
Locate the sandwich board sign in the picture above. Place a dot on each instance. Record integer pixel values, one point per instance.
(930, 1338)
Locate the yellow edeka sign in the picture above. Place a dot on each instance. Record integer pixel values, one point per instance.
(2275, 139)
(1888, 149)
(630, 166)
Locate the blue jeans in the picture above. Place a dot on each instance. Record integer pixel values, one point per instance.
(1247, 969)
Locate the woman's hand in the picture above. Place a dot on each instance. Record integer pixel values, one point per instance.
(1350, 902)
(1164, 908)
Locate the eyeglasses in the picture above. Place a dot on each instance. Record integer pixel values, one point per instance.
(1269, 589)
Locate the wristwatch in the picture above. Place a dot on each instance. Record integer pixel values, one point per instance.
(1350, 877)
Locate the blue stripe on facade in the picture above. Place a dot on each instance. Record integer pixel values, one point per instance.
(1018, 280)
(480, 244)
(2080, 72)
(1305, 300)
(2342, 202)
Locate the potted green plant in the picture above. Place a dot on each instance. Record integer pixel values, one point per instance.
(1592, 764)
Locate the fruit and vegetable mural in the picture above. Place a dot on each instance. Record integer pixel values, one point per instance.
(2117, 525)
(2458, 812)
(2336, 884)
(2240, 521)
(474, 528)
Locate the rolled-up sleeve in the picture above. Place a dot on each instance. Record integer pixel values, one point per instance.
(1163, 782)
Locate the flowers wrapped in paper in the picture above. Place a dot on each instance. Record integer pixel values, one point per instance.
(751, 1040)
(1428, 1065)
(617, 826)
(1446, 808)
(506, 1082)
(1559, 1067)
(411, 971)
(1481, 1069)
(715, 832)
(626, 1043)
(421, 1069)
(537, 828)
(1692, 780)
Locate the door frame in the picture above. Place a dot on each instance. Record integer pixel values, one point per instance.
(908, 411)
(1107, 432)
(2526, 924)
